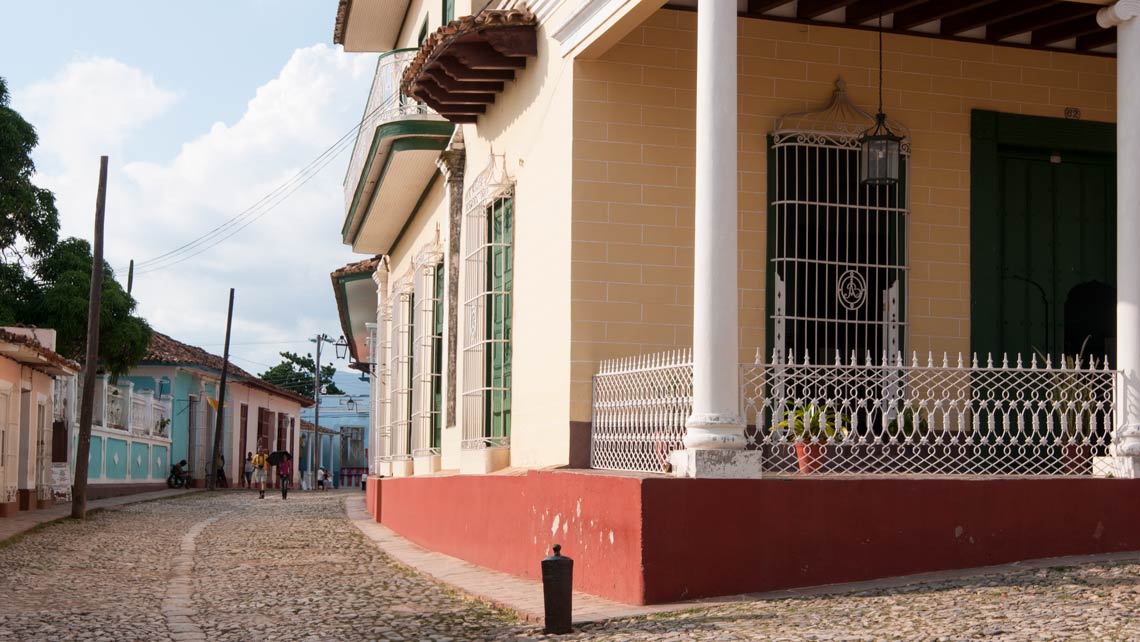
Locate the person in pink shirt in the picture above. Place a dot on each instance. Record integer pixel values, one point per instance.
(285, 473)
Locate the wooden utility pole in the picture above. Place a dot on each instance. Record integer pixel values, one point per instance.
(91, 364)
(131, 276)
(221, 414)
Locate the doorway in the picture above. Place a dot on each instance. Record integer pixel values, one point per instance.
(1043, 237)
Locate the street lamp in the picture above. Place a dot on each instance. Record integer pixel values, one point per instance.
(341, 347)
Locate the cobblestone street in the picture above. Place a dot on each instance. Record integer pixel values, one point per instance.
(231, 567)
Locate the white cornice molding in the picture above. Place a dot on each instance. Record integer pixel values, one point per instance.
(1117, 13)
(585, 20)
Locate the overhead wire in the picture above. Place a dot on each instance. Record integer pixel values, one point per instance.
(262, 206)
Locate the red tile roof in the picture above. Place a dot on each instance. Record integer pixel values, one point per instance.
(164, 349)
(50, 356)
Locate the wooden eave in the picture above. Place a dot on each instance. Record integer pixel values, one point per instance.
(464, 65)
(1050, 25)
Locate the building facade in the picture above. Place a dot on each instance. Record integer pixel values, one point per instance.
(165, 411)
(642, 235)
(31, 439)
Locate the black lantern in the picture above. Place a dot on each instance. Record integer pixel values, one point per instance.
(879, 147)
(879, 154)
(341, 347)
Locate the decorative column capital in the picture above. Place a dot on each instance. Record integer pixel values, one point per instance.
(1120, 11)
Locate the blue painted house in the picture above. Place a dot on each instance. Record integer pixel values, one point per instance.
(164, 411)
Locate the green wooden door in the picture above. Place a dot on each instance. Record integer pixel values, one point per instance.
(1057, 224)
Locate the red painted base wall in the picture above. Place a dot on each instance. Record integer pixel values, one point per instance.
(652, 540)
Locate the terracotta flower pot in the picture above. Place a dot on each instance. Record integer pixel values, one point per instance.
(810, 456)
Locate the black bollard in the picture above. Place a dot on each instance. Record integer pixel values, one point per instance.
(557, 591)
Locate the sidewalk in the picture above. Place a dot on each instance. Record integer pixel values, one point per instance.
(522, 596)
(27, 520)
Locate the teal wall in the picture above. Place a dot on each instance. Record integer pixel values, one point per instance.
(140, 461)
(95, 458)
(160, 462)
(184, 384)
(116, 449)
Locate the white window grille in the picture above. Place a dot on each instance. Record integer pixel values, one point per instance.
(837, 248)
(487, 308)
(400, 409)
(382, 373)
(427, 350)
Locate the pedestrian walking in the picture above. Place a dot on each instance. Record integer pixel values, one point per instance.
(322, 481)
(247, 471)
(285, 473)
(260, 464)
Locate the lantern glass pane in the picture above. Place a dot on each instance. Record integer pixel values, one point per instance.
(880, 160)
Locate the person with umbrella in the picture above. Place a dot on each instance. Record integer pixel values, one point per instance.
(260, 464)
(284, 463)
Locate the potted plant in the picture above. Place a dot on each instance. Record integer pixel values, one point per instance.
(812, 425)
(1073, 402)
(160, 426)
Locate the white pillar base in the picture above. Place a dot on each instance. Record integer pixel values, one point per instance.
(1117, 467)
(716, 464)
(481, 461)
(426, 464)
(712, 431)
(403, 468)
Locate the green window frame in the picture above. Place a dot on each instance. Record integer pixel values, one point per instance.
(423, 33)
(437, 358)
(500, 282)
(448, 11)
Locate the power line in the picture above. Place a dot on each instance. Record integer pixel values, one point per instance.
(248, 216)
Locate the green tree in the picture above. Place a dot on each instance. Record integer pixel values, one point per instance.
(295, 372)
(29, 222)
(60, 302)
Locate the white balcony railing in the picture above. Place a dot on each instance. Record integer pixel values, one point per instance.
(954, 417)
(385, 104)
(120, 407)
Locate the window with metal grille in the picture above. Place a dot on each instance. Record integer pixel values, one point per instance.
(400, 410)
(427, 355)
(837, 249)
(488, 286)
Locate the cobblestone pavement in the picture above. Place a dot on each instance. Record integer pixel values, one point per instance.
(228, 566)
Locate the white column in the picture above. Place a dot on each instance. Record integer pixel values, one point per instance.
(1126, 440)
(715, 422)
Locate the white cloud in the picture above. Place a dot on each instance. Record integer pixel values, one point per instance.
(280, 264)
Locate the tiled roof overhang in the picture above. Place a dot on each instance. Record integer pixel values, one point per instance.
(462, 66)
(29, 352)
(353, 328)
(165, 350)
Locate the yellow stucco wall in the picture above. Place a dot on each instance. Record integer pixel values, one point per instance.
(633, 163)
(530, 125)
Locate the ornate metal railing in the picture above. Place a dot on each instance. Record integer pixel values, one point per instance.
(385, 104)
(640, 407)
(120, 407)
(950, 417)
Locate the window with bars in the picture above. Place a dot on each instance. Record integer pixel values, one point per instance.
(427, 356)
(837, 248)
(402, 375)
(488, 310)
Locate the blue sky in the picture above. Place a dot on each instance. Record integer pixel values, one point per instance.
(203, 107)
(212, 53)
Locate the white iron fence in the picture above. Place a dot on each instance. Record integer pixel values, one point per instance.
(120, 407)
(871, 417)
(640, 407)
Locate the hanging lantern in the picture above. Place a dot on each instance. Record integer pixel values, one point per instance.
(879, 146)
(879, 154)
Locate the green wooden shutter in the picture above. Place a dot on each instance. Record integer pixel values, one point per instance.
(437, 358)
(500, 278)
